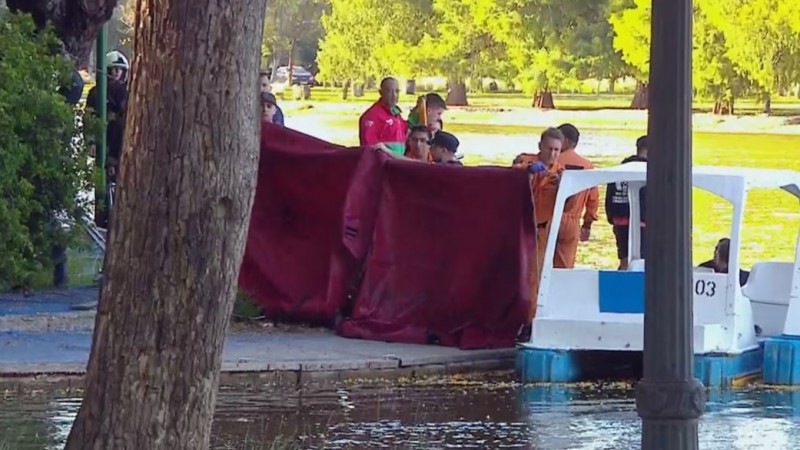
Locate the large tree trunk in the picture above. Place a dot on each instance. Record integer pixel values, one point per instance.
(544, 100)
(456, 93)
(76, 22)
(178, 235)
(640, 97)
(612, 85)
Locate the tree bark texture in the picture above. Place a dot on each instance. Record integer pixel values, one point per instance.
(76, 22)
(179, 229)
(640, 97)
(544, 100)
(456, 93)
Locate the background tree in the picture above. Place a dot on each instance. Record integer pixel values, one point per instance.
(592, 45)
(76, 22)
(631, 24)
(469, 41)
(563, 40)
(291, 25)
(43, 164)
(179, 228)
(761, 41)
(714, 74)
(357, 47)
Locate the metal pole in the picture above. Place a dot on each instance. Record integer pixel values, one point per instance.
(669, 399)
(102, 112)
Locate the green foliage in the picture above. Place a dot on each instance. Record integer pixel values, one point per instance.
(631, 27)
(726, 64)
(42, 167)
(469, 39)
(370, 39)
(292, 26)
(244, 308)
(762, 39)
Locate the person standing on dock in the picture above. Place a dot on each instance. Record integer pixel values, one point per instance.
(545, 177)
(570, 231)
(383, 123)
(618, 209)
(583, 204)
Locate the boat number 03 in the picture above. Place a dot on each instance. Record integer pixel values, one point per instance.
(706, 288)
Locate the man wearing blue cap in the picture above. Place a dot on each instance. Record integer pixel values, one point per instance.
(444, 147)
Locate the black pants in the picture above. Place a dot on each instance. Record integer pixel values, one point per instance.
(59, 255)
(621, 235)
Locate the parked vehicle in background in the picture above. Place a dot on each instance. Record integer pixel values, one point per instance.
(299, 75)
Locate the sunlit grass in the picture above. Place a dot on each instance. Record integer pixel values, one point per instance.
(781, 106)
(772, 218)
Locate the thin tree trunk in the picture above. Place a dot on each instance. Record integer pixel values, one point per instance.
(179, 232)
(768, 105)
(640, 98)
(346, 89)
(612, 85)
(456, 93)
(291, 63)
(276, 62)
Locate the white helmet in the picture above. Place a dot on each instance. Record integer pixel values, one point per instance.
(115, 59)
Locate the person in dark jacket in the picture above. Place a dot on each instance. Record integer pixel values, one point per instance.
(719, 264)
(618, 208)
(117, 68)
(444, 147)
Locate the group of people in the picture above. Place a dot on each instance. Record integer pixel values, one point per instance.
(420, 137)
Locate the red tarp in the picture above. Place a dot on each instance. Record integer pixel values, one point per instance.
(295, 265)
(443, 251)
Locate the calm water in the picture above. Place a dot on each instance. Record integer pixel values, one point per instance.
(492, 415)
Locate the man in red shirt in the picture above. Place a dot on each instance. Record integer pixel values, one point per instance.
(383, 123)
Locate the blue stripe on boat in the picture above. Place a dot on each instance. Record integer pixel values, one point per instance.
(621, 292)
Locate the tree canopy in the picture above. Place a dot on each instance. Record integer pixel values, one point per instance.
(741, 47)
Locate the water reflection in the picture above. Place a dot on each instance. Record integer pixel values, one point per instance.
(490, 415)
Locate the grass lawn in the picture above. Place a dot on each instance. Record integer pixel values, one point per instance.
(83, 262)
(772, 218)
(781, 106)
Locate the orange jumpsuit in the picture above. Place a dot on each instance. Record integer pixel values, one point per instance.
(544, 188)
(570, 230)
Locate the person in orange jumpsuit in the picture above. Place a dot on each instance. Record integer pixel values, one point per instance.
(545, 173)
(584, 204)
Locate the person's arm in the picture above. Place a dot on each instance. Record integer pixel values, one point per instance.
(368, 132)
(609, 203)
(592, 204)
(519, 162)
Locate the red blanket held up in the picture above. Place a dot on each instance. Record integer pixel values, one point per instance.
(389, 249)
